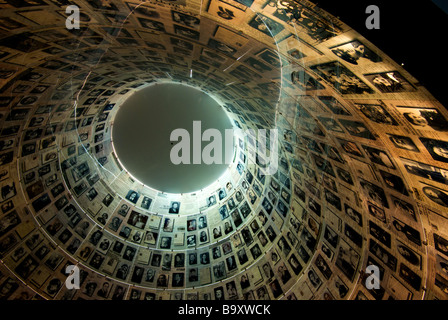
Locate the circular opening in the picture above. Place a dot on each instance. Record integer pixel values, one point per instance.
(142, 137)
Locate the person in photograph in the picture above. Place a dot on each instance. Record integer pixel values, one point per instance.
(404, 143)
(410, 233)
(314, 279)
(262, 293)
(394, 182)
(375, 193)
(410, 256)
(222, 194)
(267, 270)
(191, 240)
(438, 149)
(192, 258)
(284, 246)
(178, 280)
(239, 196)
(276, 288)
(204, 258)
(262, 217)
(216, 253)
(202, 222)
(150, 274)
(103, 292)
(252, 197)
(436, 196)
(256, 251)
(425, 171)
(168, 225)
(423, 118)
(132, 196)
(193, 275)
(191, 225)
(123, 210)
(174, 208)
(146, 203)
(223, 212)
(285, 275)
(379, 157)
(217, 232)
(377, 113)
(231, 203)
(228, 227)
(219, 293)
(165, 242)
(353, 51)
(203, 237)
(211, 201)
(162, 280)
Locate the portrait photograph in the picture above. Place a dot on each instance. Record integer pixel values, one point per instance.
(185, 19)
(383, 255)
(186, 32)
(428, 119)
(174, 207)
(342, 79)
(347, 260)
(402, 142)
(426, 171)
(438, 149)
(357, 129)
(377, 113)
(374, 192)
(388, 82)
(266, 25)
(354, 52)
(132, 196)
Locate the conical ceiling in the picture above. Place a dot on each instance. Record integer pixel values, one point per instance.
(362, 165)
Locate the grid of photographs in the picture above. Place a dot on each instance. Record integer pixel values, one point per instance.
(361, 176)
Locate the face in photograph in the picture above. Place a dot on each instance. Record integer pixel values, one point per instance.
(436, 195)
(379, 157)
(174, 207)
(186, 32)
(343, 80)
(377, 113)
(388, 82)
(426, 171)
(146, 203)
(357, 129)
(186, 20)
(165, 242)
(374, 192)
(402, 142)
(354, 52)
(132, 196)
(221, 47)
(266, 25)
(438, 149)
(394, 182)
(424, 118)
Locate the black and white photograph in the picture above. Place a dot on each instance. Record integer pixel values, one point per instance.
(428, 119)
(355, 52)
(342, 79)
(388, 82)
